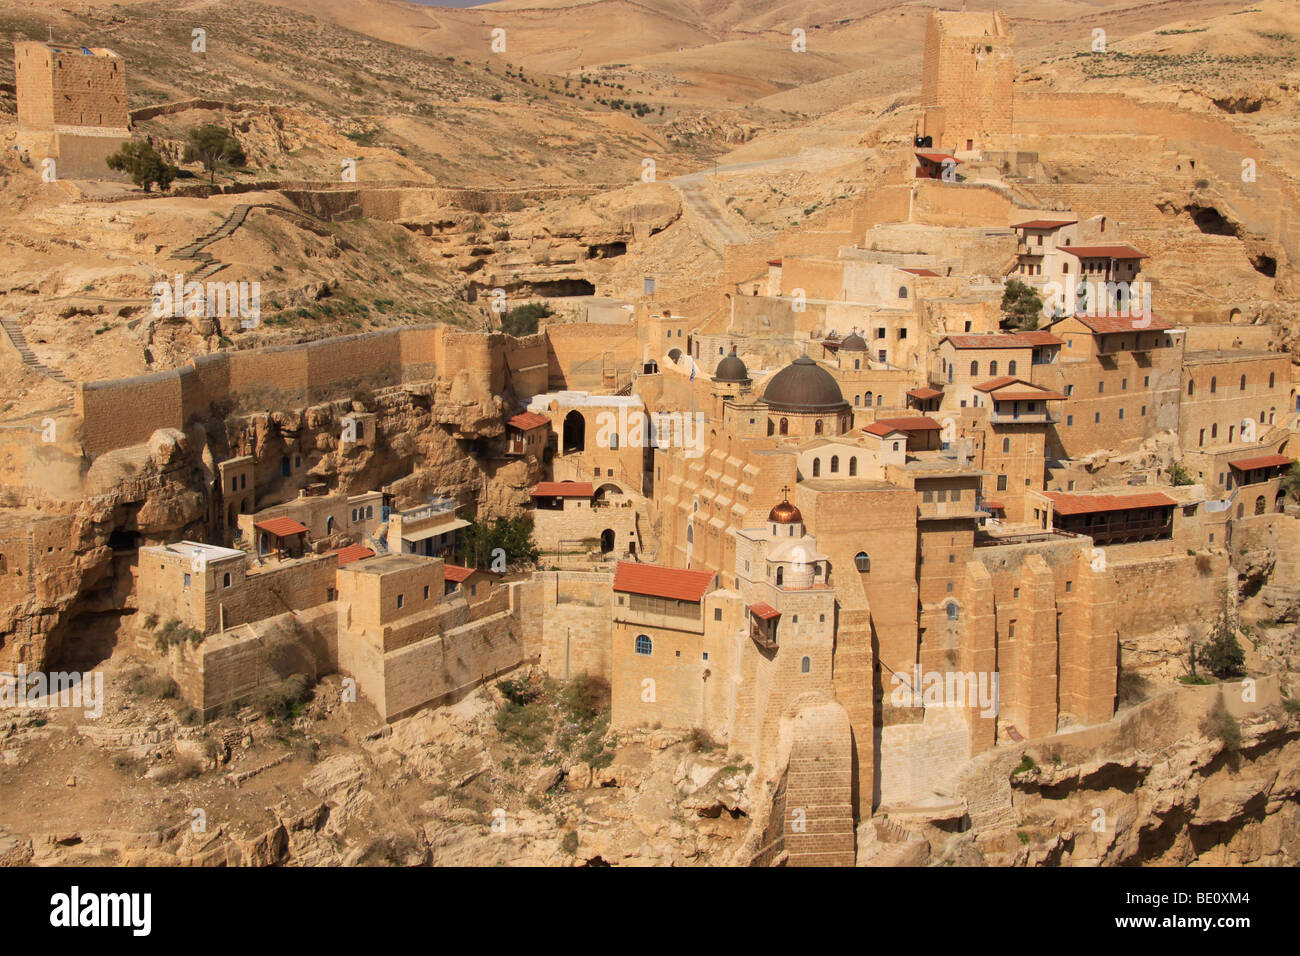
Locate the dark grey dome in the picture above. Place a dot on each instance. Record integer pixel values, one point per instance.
(731, 369)
(854, 343)
(804, 386)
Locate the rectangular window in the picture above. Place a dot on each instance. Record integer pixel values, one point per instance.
(1002, 482)
(400, 601)
(717, 616)
(426, 592)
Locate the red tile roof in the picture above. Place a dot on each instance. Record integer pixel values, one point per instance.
(924, 393)
(919, 423)
(994, 506)
(454, 572)
(353, 552)
(1002, 340)
(938, 157)
(657, 581)
(528, 420)
(1104, 252)
(1106, 324)
(925, 273)
(1264, 461)
(764, 612)
(1029, 395)
(280, 527)
(1066, 504)
(562, 489)
(1044, 223)
(880, 429)
(998, 382)
(1000, 390)
(774, 262)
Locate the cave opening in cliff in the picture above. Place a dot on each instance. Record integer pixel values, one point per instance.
(606, 250)
(1264, 265)
(1211, 222)
(563, 288)
(85, 640)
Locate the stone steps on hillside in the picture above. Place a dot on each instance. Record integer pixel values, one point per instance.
(18, 340)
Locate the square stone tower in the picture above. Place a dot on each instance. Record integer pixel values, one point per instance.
(71, 106)
(966, 81)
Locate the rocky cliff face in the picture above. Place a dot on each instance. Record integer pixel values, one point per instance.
(437, 439)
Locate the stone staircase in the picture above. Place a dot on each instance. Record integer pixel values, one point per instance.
(19, 341)
(196, 250)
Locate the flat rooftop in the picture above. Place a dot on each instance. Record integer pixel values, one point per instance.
(387, 563)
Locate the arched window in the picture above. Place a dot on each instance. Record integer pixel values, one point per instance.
(1011, 367)
(869, 399)
(329, 524)
(952, 610)
(902, 292)
(780, 576)
(1260, 506)
(817, 427)
(993, 368)
(863, 561)
(1006, 445)
(613, 441)
(771, 429)
(225, 580)
(835, 464)
(857, 364)
(857, 399)
(785, 426)
(853, 466)
(644, 645)
(974, 368)
(1214, 384)
(370, 511)
(817, 467)
(805, 665)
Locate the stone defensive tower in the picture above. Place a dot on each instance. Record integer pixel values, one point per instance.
(71, 106)
(966, 81)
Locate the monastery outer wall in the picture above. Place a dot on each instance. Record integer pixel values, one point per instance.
(125, 412)
(1155, 592)
(577, 625)
(579, 354)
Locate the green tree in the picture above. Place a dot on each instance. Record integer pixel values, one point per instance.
(215, 147)
(482, 544)
(143, 164)
(1179, 474)
(523, 319)
(1222, 654)
(1021, 306)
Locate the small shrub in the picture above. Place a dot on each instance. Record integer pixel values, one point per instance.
(1026, 765)
(570, 842)
(701, 742)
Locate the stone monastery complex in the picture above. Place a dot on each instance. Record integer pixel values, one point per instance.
(827, 507)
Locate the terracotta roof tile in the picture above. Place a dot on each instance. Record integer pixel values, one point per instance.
(924, 393)
(281, 527)
(353, 552)
(1067, 504)
(1124, 251)
(658, 581)
(1002, 340)
(562, 489)
(1264, 461)
(1108, 324)
(526, 420)
(764, 611)
(919, 423)
(454, 572)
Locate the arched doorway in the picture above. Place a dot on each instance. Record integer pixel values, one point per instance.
(575, 433)
(607, 541)
(1260, 506)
